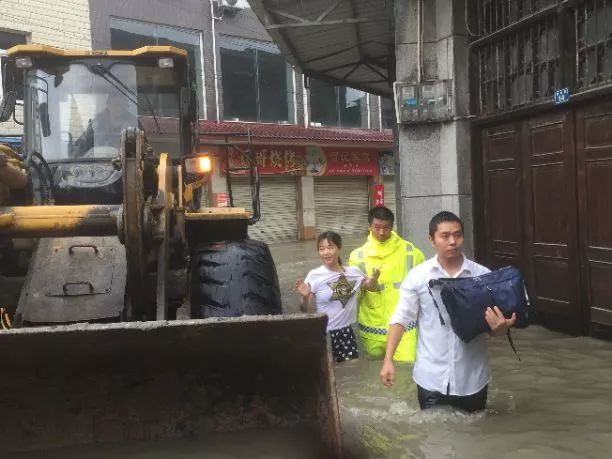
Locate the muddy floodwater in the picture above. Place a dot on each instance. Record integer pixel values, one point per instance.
(555, 403)
(278, 444)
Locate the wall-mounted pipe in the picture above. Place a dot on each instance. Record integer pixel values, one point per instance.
(419, 41)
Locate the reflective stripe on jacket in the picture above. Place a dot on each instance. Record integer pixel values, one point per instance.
(395, 257)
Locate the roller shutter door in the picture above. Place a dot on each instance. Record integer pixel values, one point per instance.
(341, 205)
(389, 183)
(278, 196)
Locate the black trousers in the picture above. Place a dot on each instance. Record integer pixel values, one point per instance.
(469, 403)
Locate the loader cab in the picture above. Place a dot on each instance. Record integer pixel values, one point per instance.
(76, 103)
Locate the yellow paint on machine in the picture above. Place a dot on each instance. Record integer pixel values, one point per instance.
(44, 50)
(6, 220)
(218, 213)
(54, 219)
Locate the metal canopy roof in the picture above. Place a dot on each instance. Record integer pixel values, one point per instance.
(346, 42)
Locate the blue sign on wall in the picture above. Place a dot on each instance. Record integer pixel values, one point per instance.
(562, 96)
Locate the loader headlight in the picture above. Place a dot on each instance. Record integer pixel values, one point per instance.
(165, 62)
(199, 165)
(23, 62)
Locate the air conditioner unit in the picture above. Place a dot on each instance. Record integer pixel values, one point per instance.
(220, 6)
(216, 9)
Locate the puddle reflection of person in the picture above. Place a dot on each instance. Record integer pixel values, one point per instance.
(333, 289)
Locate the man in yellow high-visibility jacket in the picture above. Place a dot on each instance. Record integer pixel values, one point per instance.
(394, 257)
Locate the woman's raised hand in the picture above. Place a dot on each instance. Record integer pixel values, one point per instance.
(302, 288)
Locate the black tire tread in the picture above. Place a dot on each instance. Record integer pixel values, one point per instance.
(234, 278)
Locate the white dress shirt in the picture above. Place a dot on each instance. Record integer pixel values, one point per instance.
(444, 363)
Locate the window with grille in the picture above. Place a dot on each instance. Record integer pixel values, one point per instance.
(524, 50)
(494, 15)
(593, 23)
(517, 53)
(519, 69)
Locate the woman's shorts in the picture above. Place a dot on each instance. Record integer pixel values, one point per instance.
(344, 344)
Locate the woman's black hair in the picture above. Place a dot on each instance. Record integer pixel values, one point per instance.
(332, 237)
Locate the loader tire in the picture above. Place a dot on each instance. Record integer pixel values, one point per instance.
(234, 278)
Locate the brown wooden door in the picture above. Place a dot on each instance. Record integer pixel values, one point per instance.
(594, 153)
(502, 196)
(551, 240)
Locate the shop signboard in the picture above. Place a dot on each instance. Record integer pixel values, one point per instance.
(309, 160)
(379, 195)
(387, 166)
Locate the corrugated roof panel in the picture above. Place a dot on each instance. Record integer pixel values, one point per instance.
(319, 50)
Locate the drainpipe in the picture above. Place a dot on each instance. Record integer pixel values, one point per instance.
(214, 44)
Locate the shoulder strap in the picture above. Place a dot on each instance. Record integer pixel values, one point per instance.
(430, 284)
(512, 345)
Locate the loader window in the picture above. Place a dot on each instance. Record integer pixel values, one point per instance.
(81, 108)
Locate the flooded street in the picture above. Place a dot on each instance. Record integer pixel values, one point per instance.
(555, 403)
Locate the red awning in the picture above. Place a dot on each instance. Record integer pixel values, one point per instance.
(279, 133)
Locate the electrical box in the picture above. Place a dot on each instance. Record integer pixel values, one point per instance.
(424, 102)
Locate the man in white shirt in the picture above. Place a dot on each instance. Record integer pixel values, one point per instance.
(447, 371)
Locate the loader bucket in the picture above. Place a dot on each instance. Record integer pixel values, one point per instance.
(215, 385)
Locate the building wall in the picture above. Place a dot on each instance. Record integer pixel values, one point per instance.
(434, 159)
(66, 25)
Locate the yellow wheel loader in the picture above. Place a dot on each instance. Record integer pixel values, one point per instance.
(130, 312)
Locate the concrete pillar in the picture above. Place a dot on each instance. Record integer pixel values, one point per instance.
(306, 209)
(434, 159)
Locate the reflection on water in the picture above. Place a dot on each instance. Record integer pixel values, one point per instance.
(257, 444)
(555, 403)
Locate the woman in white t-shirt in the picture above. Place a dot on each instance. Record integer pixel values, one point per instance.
(333, 289)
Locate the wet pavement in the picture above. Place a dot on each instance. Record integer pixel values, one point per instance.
(555, 403)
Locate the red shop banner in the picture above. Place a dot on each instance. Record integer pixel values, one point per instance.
(307, 160)
(379, 195)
